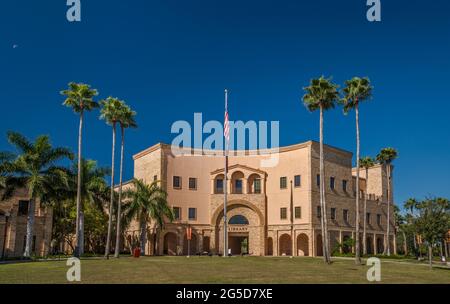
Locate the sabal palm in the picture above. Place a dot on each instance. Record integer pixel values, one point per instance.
(322, 95)
(126, 121)
(386, 157)
(93, 186)
(36, 166)
(146, 202)
(356, 90)
(411, 205)
(79, 97)
(367, 163)
(112, 112)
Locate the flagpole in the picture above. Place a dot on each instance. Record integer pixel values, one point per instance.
(225, 226)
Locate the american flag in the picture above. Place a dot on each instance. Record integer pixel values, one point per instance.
(226, 125)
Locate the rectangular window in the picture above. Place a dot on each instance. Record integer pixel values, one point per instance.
(319, 212)
(332, 183)
(257, 186)
(192, 183)
(345, 215)
(368, 218)
(238, 186)
(155, 178)
(23, 208)
(379, 219)
(219, 185)
(177, 182)
(192, 214)
(298, 212)
(283, 213)
(333, 213)
(283, 182)
(344, 185)
(318, 180)
(297, 181)
(177, 213)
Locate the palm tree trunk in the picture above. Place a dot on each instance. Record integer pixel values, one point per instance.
(430, 255)
(118, 232)
(387, 247)
(78, 248)
(81, 248)
(111, 202)
(405, 244)
(357, 245)
(365, 214)
(323, 208)
(30, 228)
(143, 234)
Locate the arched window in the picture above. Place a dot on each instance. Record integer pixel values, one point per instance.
(238, 220)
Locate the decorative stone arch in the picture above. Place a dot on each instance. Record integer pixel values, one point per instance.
(319, 245)
(215, 190)
(302, 245)
(245, 173)
(285, 244)
(251, 183)
(193, 244)
(253, 231)
(269, 246)
(218, 214)
(380, 244)
(170, 243)
(236, 176)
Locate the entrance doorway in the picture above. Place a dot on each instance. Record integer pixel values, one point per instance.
(238, 244)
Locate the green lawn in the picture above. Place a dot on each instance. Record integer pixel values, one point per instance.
(220, 270)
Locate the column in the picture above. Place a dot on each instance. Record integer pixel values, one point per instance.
(395, 244)
(244, 186)
(354, 239)
(212, 186)
(340, 240)
(375, 249)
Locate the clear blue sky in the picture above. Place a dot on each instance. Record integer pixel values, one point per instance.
(169, 59)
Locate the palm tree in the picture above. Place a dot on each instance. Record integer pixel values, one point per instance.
(386, 157)
(126, 121)
(411, 205)
(79, 97)
(112, 112)
(94, 189)
(322, 95)
(36, 166)
(356, 90)
(7, 180)
(146, 203)
(366, 162)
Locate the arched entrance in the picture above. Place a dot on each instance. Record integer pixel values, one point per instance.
(193, 248)
(319, 246)
(245, 228)
(206, 244)
(369, 245)
(269, 246)
(346, 244)
(380, 245)
(170, 244)
(285, 245)
(302, 245)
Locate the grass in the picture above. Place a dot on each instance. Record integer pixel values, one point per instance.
(220, 270)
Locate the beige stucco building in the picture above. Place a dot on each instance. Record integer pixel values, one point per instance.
(272, 210)
(13, 226)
